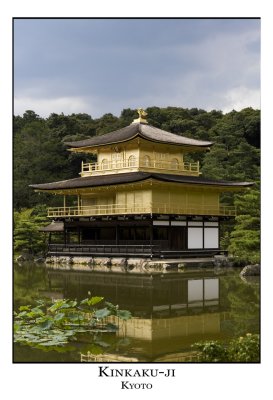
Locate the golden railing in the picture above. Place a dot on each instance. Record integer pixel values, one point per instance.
(144, 164)
(164, 208)
(155, 208)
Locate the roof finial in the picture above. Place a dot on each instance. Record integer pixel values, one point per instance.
(141, 117)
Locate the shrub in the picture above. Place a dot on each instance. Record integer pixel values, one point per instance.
(243, 349)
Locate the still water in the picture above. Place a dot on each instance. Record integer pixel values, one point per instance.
(171, 311)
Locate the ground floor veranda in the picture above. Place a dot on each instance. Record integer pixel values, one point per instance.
(143, 235)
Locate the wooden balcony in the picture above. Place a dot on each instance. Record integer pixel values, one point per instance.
(133, 164)
(155, 208)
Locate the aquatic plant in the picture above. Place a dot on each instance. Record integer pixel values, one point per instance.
(51, 325)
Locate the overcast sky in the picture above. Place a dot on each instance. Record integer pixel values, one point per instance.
(99, 66)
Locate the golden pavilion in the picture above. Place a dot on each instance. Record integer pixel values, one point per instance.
(140, 198)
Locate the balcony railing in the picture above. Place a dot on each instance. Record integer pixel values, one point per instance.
(185, 168)
(123, 250)
(155, 208)
(113, 249)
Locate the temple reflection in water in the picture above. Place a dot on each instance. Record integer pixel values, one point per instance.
(180, 306)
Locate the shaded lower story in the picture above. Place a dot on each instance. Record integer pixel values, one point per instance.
(149, 236)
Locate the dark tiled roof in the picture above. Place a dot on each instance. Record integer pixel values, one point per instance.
(137, 129)
(93, 181)
(115, 179)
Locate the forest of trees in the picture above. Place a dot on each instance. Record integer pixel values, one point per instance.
(40, 155)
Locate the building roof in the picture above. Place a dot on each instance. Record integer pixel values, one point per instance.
(131, 177)
(142, 130)
(53, 227)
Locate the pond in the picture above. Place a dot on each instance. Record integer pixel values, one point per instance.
(170, 311)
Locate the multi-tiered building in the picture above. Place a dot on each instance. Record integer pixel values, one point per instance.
(139, 198)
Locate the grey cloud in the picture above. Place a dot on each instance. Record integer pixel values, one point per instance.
(120, 63)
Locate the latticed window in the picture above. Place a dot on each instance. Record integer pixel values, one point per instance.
(104, 164)
(174, 163)
(146, 161)
(117, 160)
(132, 161)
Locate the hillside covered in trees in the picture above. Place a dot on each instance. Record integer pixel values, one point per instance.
(40, 156)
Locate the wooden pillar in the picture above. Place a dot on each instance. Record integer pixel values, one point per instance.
(203, 293)
(203, 232)
(64, 203)
(117, 234)
(187, 233)
(170, 235)
(151, 232)
(79, 202)
(219, 244)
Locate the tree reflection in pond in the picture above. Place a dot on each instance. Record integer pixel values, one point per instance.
(170, 311)
(242, 298)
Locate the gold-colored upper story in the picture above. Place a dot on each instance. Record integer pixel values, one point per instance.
(135, 174)
(158, 151)
(139, 155)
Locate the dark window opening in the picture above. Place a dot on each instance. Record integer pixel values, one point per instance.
(90, 233)
(127, 233)
(161, 233)
(107, 234)
(142, 233)
(135, 233)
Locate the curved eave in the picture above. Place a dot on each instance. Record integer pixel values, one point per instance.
(95, 146)
(83, 149)
(146, 132)
(84, 183)
(202, 182)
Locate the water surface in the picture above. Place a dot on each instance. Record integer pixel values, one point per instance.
(171, 311)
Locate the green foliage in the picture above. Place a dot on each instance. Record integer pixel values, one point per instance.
(211, 351)
(51, 325)
(232, 157)
(40, 154)
(242, 301)
(27, 237)
(245, 349)
(245, 238)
